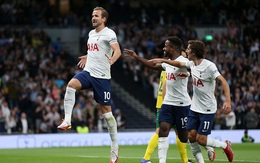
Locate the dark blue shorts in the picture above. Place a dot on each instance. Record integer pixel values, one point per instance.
(175, 115)
(202, 123)
(101, 87)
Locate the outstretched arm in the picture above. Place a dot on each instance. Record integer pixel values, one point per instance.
(144, 61)
(170, 62)
(227, 104)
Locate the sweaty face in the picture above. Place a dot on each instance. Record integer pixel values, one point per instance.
(97, 19)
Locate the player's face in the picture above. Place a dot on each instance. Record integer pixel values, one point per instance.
(189, 53)
(97, 19)
(167, 49)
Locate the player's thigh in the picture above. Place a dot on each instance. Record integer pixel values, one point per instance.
(206, 123)
(102, 91)
(181, 117)
(166, 114)
(81, 80)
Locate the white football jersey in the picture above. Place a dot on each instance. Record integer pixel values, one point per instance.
(204, 80)
(98, 45)
(176, 88)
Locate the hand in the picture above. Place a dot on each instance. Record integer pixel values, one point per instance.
(183, 75)
(227, 107)
(131, 53)
(82, 61)
(110, 59)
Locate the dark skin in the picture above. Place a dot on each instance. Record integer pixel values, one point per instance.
(171, 52)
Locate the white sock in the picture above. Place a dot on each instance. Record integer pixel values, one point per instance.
(112, 129)
(69, 101)
(163, 145)
(196, 151)
(216, 143)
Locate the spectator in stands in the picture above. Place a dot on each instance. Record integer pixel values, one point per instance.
(120, 119)
(2, 122)
(240, 117)
(230, 119)
(246, 138)
(23, 125)
(11, 122)
(37, 51)
(251, 119)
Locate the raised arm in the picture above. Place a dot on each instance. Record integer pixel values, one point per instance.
(170, 62)
(144, 61)
(227, 104)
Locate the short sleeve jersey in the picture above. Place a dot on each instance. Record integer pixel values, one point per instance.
(176, 88)
(204, 80)
(160, 90)
(98, 47)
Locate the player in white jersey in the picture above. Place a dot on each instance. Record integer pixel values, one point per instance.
(103, 51)
(176, 103)
(203, 107)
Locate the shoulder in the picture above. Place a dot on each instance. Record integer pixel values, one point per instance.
(91, 32)
(208, 62)
(109, 30)
(182, 59)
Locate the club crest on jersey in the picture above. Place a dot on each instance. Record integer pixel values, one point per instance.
(93, 47)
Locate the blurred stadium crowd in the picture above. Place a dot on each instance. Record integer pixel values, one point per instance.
(34, 69)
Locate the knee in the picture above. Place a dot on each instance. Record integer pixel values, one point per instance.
(183, 139)
(192, 138)
(74, 83)
(163, 132)
(202, 140)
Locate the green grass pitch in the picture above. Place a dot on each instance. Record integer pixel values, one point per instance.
(244, 153)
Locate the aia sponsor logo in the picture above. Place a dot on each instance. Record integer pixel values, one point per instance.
(197, 82)
(93, 47)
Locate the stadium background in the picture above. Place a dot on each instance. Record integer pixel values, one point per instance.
(40, 43)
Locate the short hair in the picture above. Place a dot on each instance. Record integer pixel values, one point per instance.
(104, 12)
(197, 47)
(175, 41)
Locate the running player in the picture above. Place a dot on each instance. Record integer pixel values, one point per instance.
(204, 104)
(176, 104)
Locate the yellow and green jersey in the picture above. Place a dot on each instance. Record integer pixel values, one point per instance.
(160, 90)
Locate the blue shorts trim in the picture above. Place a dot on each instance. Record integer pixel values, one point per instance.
(202, 123)
(175, 115)
(101, 87)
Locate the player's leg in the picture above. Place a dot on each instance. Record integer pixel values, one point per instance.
(69, 99)
(112, 129)
(195, 147)
(165, 122)
(192, 126)
(204, 140)
(153, 143)
(226, 146)
(182, 149)
(102, 95)
(181, 116)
